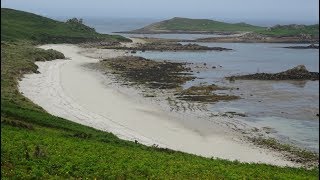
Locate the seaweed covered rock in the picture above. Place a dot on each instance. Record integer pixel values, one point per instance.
(204, 94)
(154, 74)
(166, 46)
(162, 75)
(299, 72)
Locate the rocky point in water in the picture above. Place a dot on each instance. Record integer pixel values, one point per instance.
(311, 46)
(299, 72)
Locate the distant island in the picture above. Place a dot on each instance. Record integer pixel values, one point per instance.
(195, 26)
(241, 32)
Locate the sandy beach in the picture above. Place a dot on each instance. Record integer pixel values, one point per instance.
(66, 89)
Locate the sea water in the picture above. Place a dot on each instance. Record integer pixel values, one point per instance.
(288, 107)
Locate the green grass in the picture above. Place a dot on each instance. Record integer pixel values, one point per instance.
(289, 30)
(35, 144)
(185, 24)
(19, 25)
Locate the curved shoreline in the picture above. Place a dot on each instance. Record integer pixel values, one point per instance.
(64, 88)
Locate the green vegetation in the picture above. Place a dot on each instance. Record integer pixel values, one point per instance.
(292, 30)
(19, 25)
(189, 25)
(301, 154)
(205, 25)
(35, 144)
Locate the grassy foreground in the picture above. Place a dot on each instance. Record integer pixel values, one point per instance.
(35, 144)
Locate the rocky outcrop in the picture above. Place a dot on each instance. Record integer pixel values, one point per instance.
(166, 46)
(261, 38)
(163, 75)
(297, 73)
(99, 44)
(153, 74)
(204, 94)
(311, 46)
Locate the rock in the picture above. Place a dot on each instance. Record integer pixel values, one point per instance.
(299, 72)
(205, 93)
(133, 52)
(311, 46)
(232, 79)
(153, 74)
(164, 46)
(269, 130)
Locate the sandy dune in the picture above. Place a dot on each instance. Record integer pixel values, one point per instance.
(67, 89)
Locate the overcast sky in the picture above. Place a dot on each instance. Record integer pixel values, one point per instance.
(281, 11)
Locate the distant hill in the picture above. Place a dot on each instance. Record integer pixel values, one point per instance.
(186, 25)
(20, 25)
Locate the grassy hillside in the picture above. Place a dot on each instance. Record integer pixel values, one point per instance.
(185, 24)
(19, 25)
(204, 25)
(35, 144)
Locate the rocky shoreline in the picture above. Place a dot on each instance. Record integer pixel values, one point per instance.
(161, 75)
(297, 73)
(156, 45)
(259, 38)
(153, 74)
(177, 32)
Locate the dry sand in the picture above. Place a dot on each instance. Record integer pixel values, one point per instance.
(67, 89)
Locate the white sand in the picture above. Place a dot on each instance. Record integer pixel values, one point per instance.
(66, 89)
